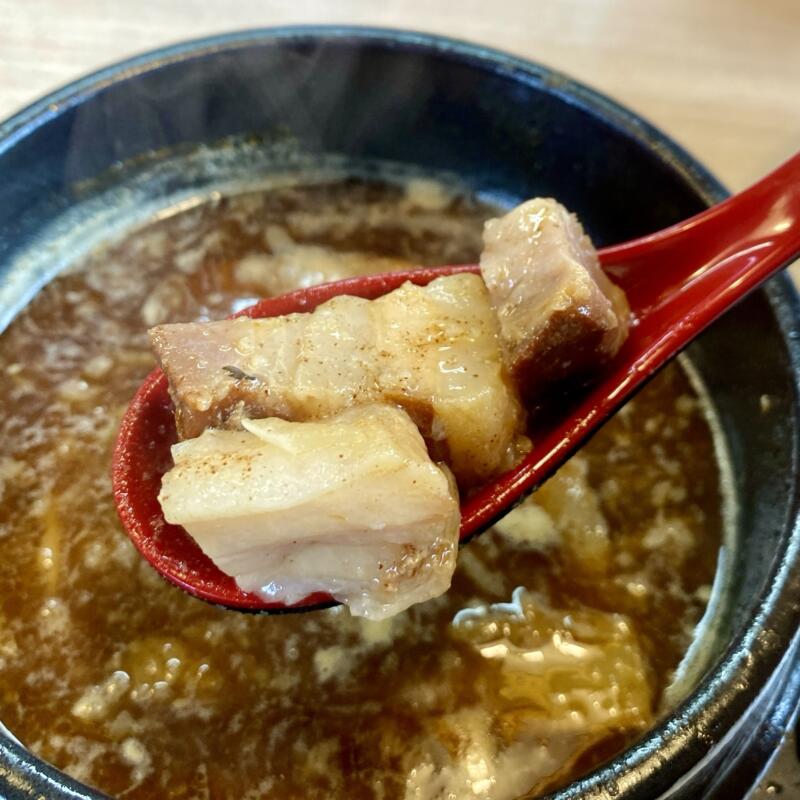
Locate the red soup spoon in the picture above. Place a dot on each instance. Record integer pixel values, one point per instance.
(677, 281)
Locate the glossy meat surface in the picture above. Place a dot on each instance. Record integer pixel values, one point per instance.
(433, 350)
(293, 508)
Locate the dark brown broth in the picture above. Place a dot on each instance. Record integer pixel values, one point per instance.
(132, 686)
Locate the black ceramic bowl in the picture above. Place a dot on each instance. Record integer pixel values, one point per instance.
(508, 128)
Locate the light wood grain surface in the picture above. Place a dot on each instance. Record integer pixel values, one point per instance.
(720, 76)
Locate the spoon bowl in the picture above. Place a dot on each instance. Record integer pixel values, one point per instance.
(677, 281)
(147, 432)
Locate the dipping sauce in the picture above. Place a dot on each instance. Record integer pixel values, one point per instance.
(550, 652)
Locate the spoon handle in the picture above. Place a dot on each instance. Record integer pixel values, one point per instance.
(677, 281)
(681, 279)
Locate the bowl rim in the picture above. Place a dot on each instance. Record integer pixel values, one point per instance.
(741, 674)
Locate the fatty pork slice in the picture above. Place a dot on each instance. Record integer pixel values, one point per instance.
(351, 505)
(560, 315)
(434, 351)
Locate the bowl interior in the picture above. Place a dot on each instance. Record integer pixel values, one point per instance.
(192, 118)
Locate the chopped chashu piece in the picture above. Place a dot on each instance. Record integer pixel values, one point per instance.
(291, 508)
(434, 350)
(559, 313)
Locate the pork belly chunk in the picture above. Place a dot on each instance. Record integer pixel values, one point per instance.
(560, 315)
(435, 351)
(351, 505)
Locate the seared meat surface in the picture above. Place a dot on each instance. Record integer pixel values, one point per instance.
(559, 313)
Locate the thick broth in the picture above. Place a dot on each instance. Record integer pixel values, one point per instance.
(551, 651)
